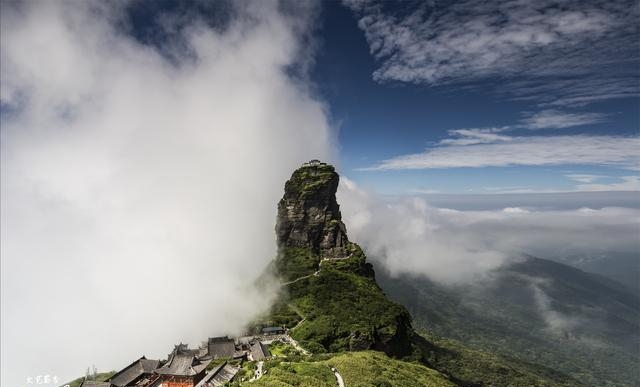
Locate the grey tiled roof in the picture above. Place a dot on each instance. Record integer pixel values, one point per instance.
(94, 383)
(128, 375)
(226, 374)
(219, 376)
(221, 347)
(259, 351)
(272, 329)
(183, 363)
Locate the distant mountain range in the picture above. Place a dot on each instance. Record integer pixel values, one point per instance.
(623, 267)
(537, 311)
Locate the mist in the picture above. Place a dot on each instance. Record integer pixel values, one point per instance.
(407, 235)
(139, 189)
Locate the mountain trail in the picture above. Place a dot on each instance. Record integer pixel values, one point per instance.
(314, 274)
(338, 377)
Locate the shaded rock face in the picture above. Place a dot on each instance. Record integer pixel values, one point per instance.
(308, 213)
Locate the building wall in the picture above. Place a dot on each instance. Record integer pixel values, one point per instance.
(177, 382)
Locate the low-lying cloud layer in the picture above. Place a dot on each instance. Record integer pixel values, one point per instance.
(452, 246)
(139, 192)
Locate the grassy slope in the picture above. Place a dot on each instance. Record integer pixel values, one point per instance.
(374, 369)
(470, 367)
(344, 298)
(344, 309)
(359, 369)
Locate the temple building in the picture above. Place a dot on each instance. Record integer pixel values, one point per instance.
(220, 348)
(219, 376)
(94, 383)
(259, 351)
(273, 331)
(187, 367)
(139, 373)
(182, 369)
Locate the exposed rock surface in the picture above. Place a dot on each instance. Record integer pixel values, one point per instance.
(309, 215)
(327, 277)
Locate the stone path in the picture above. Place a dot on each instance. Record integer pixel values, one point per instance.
(301, 278)
(338, 377)
(315, 274)
(297, 346)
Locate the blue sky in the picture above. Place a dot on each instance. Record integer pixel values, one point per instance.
(467, 97)
(558, 97)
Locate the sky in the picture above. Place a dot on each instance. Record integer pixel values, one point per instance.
(538, 96)
(145, 145)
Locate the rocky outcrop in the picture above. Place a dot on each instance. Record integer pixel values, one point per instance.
(309, 215)
(343, 307)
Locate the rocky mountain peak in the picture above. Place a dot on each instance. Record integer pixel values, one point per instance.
(308, 213)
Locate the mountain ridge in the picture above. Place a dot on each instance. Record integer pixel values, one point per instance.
(331, 302)
(595, 338)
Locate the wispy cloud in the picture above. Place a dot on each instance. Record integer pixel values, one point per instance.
(587, 184)
(557, 322)
(627, 183)
(554, 119)
(532, 150)
(475, 136)
(562, 53)
(584, 178)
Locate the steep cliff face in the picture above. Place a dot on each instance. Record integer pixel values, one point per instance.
(309, 215)
(327, 279)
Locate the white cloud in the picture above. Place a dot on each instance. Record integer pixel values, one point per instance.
(628, 183)
(532, 150)
(557, 323)
(138, 193)
(515, 210)
(553, 119)
(624, 183)
(584, 178)
(475, 136)
(563, 53)
(409, 236)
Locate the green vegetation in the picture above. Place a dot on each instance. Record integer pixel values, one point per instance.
(100, 377)
(216, 362)
(281, 314)
(300, 374)
(336, 310)
(295, 262)
(280, 349)
(358, 369)
(307, 180)
(477, 368)
(504, 319)
(345, 310)
(374, 369)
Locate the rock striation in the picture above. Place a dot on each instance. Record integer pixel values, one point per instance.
(309, 215)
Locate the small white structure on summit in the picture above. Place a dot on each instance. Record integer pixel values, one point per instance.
(313, 163)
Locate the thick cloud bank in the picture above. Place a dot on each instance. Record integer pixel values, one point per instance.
(453, 246)
(139, 192)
